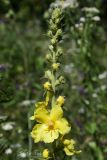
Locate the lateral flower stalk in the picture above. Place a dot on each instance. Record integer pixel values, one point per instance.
(69, 147)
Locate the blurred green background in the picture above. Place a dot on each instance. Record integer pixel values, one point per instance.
(23, 46)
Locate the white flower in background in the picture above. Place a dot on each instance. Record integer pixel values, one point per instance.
(96, 18)
(94, 95)
(1, 135)
(86, 102)
(82, 19)
(19, 130)
(79, 26)
(79, 41)
(65, 4)
(103, 87)
(27, 102)
(74, 87)
(103, 75)
(17, 145)
(91, 9)
(22, 155)
(8, 126)
(3, 117)
(81, 110)
(68, 68)
(8, 151)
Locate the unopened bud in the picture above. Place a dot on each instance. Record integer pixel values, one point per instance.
(51, 47)
(57, 20)
(53, 41)
(59, 32)
(49, 57)
(59, 51)
(56, 13)
(50, 34)
(45, 153)
(60, 100)
(61, 79)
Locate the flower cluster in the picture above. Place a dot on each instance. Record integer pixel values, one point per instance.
(66, 3)
(51, 124)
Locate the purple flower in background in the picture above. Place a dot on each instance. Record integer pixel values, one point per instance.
(3, 67)
(17, 86)
(81, 90)
(33, 90)
(2, 21)
(78, 123)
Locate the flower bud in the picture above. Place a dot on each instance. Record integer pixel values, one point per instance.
(59, 52)
(50, 34)
(53, 41)
(61, 79)
(59, 32)
(57, 20)
(49, 57)
(56, 13)
(56, 66)
(47, 85)
(60, 100)
(66, 142)
(51, 47)
(48, 74)
(53, 27)
(45, 153)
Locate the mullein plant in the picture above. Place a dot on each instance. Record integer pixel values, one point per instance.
(52, 127)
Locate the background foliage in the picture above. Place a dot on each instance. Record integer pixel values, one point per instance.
(23, 46)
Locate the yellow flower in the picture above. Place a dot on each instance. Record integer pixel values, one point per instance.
(69, 147)
(55, 66)
(47, 85)
(45, 153)
(51, 125)
(60, 100)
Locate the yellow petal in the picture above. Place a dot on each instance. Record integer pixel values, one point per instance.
(50, 135)
(56, 113)
(63, 126)
(68, 152)
(37, 132)
(41, 104)
(42, 115)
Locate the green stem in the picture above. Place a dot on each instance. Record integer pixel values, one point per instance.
(29, 137)
(54, 78)
(27, 98)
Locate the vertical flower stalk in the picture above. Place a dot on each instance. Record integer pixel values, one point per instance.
(51, 125)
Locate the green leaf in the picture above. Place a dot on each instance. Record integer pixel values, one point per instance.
(91, 127)
(97, 150)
